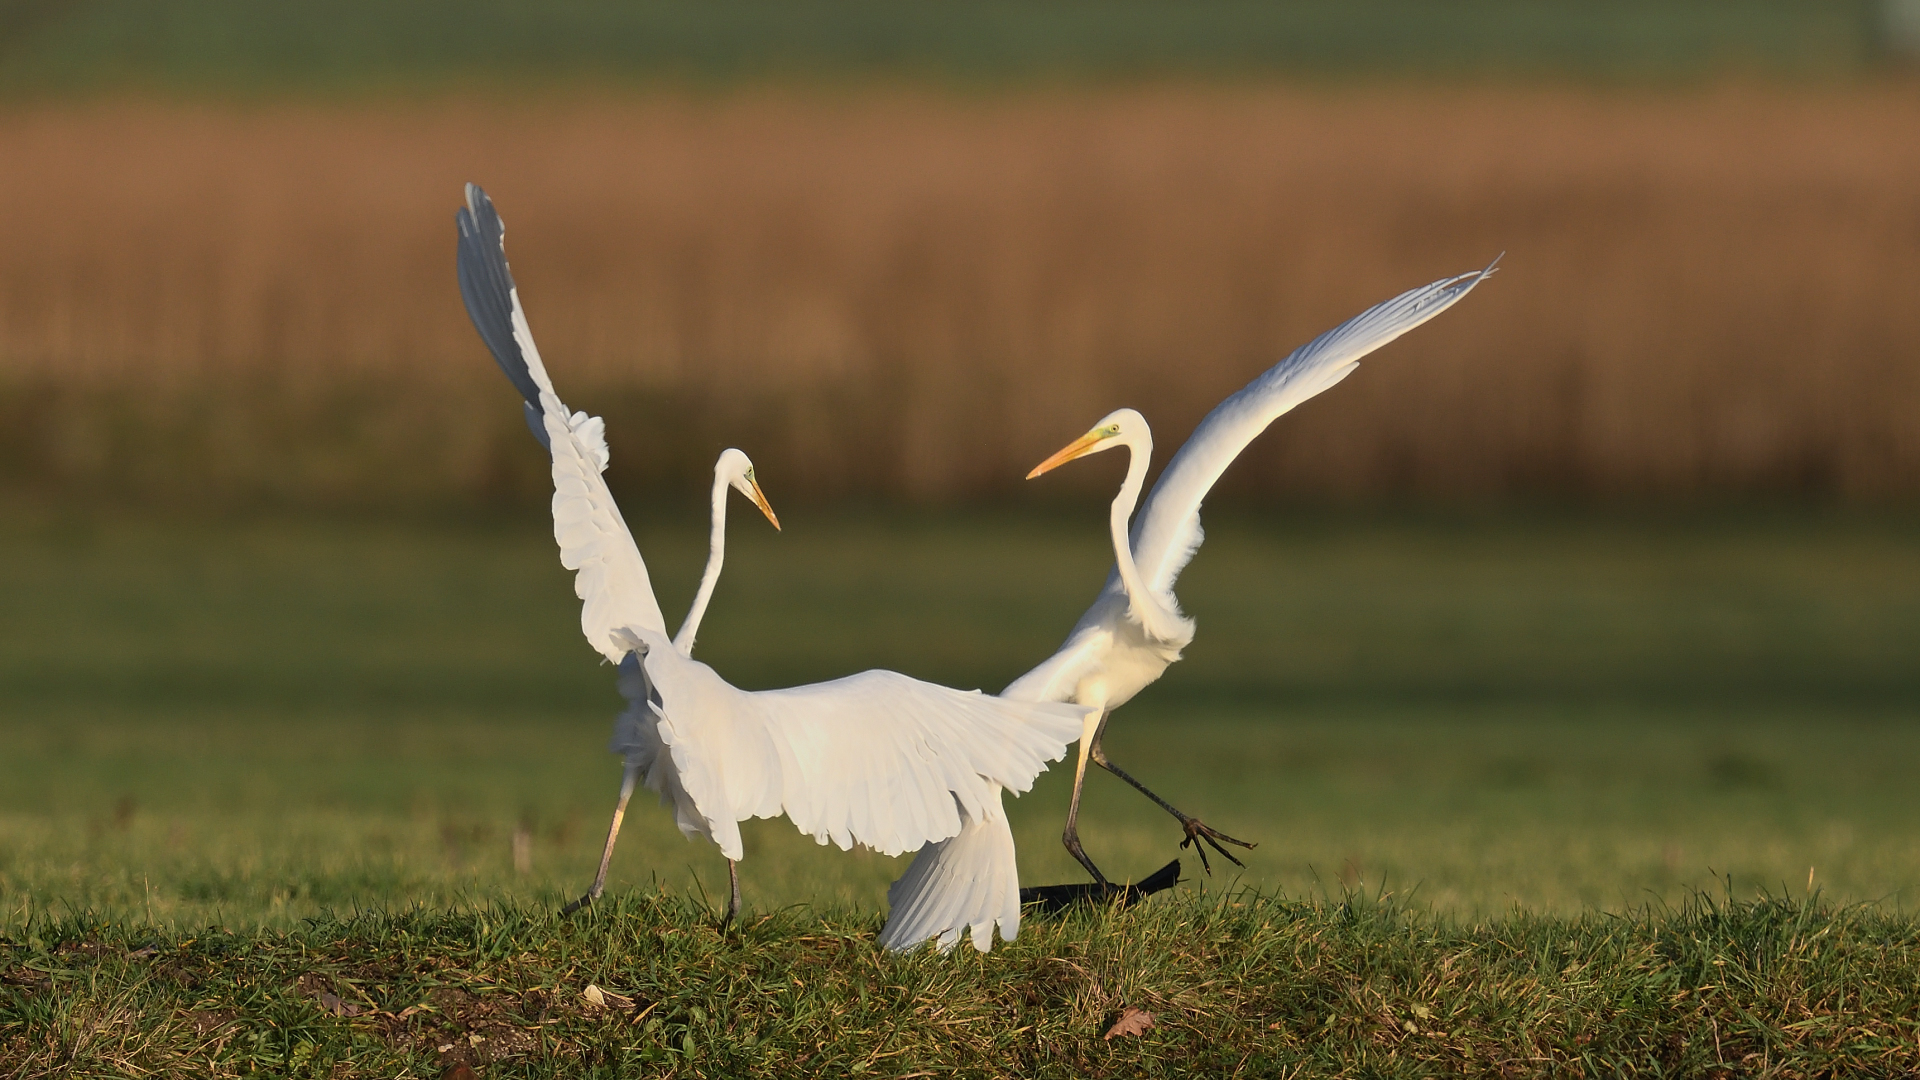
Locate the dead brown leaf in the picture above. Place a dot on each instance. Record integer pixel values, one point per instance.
(462, 1071)
(1131, 1021)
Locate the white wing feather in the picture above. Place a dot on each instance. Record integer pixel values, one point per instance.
(610, 576)
(876, 759)
(1167, 531)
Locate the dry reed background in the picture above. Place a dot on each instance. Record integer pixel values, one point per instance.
(906, 293)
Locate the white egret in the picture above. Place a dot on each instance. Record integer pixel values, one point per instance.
(877, 759)
(733, 470)
(1134, 630)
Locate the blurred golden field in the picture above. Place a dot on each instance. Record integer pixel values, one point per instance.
(885, 292)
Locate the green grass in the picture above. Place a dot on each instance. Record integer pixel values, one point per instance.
(1246, 986)
(1495, 762)
(255, 722)
(48, 45)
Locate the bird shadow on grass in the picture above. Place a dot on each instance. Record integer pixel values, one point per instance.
(1052, 899)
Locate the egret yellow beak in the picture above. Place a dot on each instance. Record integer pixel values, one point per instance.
(1072, 450)
(760, 500)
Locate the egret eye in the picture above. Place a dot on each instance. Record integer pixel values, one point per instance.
(1109, 431)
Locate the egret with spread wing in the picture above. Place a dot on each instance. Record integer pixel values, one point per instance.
(733, 470)
(877, 759)
(1134, 630)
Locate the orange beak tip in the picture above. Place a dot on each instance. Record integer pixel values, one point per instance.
(1066, 453)
(760, 502)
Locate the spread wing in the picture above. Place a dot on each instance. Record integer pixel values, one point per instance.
(878, 759)
(611, 577)
(1167, 532)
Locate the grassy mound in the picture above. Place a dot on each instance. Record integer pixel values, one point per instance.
(1245, 984)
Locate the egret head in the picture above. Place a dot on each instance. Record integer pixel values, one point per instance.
(1121, 427)
(735, 469)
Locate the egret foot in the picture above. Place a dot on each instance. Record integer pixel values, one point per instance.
(1052, 898)
(584, 901)
(1201, 836)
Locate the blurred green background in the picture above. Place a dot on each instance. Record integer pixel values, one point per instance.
(351, 44)
(246, 710)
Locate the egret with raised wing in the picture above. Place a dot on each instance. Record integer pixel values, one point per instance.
(734, 470)
(877, 759)
(1134, 629)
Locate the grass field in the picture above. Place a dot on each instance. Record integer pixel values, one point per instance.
(255, 723)
(1252, 986)
(1461, 740)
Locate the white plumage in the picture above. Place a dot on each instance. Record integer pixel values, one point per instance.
(877, 759)
(1134, 629)
(971, 880)
(1166, 533)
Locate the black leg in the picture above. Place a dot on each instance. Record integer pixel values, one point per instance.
(1199, 834)
(733, 894)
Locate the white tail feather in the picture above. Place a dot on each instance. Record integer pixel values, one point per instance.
(968, 880)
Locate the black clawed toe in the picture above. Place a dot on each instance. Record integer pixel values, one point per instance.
(1200, 836)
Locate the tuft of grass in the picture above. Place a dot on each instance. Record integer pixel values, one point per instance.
(1238, 983)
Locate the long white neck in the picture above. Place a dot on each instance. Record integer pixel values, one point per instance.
(1142, 605)
(716, 555)
(1139, 456)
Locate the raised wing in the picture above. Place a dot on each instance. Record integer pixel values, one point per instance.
(486, 286)
(877, 759)
(611, 578)
(1167, 532)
